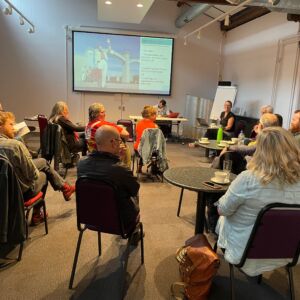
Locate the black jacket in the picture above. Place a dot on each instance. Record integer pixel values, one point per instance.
(12, 219)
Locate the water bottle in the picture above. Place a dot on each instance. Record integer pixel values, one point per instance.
(241, 138)
(220, 135)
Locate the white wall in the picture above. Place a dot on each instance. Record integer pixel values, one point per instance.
(249, 61)
(33, 73)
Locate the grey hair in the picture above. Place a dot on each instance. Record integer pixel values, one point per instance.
(57, 110)
(268, 120)
(266, 109)
(94, 111)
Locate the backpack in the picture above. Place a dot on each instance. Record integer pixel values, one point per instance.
(198, 264)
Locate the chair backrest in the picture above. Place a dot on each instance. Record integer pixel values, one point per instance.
(239, 163)
(43, 123)
(12, 219)
(276, 234)
(97, 206)
(129, 127)
(239, 126)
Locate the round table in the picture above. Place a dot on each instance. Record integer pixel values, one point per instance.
(192, 178)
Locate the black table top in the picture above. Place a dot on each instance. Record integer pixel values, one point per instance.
(191, 178)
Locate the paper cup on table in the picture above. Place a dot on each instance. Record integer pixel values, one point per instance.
(234, 140)
(204, 139)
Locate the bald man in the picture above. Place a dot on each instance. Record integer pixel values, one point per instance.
(104, 164)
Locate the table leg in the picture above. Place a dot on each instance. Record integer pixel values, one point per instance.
(200, 213)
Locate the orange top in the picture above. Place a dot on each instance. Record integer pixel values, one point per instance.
(140, 127)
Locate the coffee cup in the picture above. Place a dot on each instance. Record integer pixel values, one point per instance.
(204, 139)
(223, 143)
(234, 140)
(220, 176)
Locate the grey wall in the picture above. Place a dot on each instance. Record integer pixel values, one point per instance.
(34, 73)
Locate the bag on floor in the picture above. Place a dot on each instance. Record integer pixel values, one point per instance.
(198, 264)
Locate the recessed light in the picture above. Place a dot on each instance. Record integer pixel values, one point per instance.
(108, 2)
(139, 5)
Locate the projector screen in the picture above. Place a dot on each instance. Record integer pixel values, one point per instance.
(118, 63)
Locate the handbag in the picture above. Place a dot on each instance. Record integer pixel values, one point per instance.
(198, 264)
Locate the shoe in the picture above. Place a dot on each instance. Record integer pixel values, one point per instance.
(67, 191)
(38, 218)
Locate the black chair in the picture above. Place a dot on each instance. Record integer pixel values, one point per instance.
(97, 210)
(275, 235)
(14, 212)
(128, 124)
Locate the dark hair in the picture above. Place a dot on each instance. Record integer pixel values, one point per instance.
(297, 111)
(280, 119)
(229, 102)
(163, 102)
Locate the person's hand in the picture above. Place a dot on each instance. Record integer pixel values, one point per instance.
(191, 145)
(225, 149)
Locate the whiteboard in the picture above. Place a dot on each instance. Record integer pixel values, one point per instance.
(223, 94)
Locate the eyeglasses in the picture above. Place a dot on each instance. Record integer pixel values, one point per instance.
(119, 140)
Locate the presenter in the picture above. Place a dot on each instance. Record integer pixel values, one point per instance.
(163, 111)
(227, 118)
(162, 108)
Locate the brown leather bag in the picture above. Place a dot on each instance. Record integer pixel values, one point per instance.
(198, 264)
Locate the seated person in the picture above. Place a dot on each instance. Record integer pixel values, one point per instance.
(149, 117)
(227, 118)
(266, 120)
(96, 120)
(104, 163)
(32, 174)
(163, 111)
(295, 125)
(266, 109)
(273, 175)
(162, 108)
(60, 115)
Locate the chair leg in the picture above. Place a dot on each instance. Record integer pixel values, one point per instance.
(99, 243)
(142, 243)
(259, 279)
(26, 222)
(291, 282)
(232, 282)
(180, 201)
(76, 258)
(20, 251)
(45, 216)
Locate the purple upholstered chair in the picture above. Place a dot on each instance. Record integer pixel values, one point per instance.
(97, 210)
(275, 235)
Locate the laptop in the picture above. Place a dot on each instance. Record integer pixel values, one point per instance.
(202, 122)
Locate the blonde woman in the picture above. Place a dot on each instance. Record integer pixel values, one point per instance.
(273, 175)
(60, 115)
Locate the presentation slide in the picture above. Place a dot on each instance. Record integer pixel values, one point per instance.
(117, 63)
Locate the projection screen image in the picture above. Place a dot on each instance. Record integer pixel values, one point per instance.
(122, 63)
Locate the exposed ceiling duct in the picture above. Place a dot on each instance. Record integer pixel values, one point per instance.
(285, 6)
(192, 12)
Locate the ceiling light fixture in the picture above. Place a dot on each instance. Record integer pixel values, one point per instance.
(139, 5)
(22, 19)
(108, 2)
(220, 17)
(199, 35)
(227, 21)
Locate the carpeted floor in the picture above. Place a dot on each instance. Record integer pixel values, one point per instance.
(45, 268)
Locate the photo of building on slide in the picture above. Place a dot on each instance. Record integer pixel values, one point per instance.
(106, 62)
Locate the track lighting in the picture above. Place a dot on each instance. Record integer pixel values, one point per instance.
(22, 19)
(199, 35)
(7, 10)
(227, 20)
(185, 42)
(22, 22)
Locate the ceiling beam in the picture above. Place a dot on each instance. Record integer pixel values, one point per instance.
(244, 16)
(212, 2)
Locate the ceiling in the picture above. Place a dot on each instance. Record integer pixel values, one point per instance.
(126, 11)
